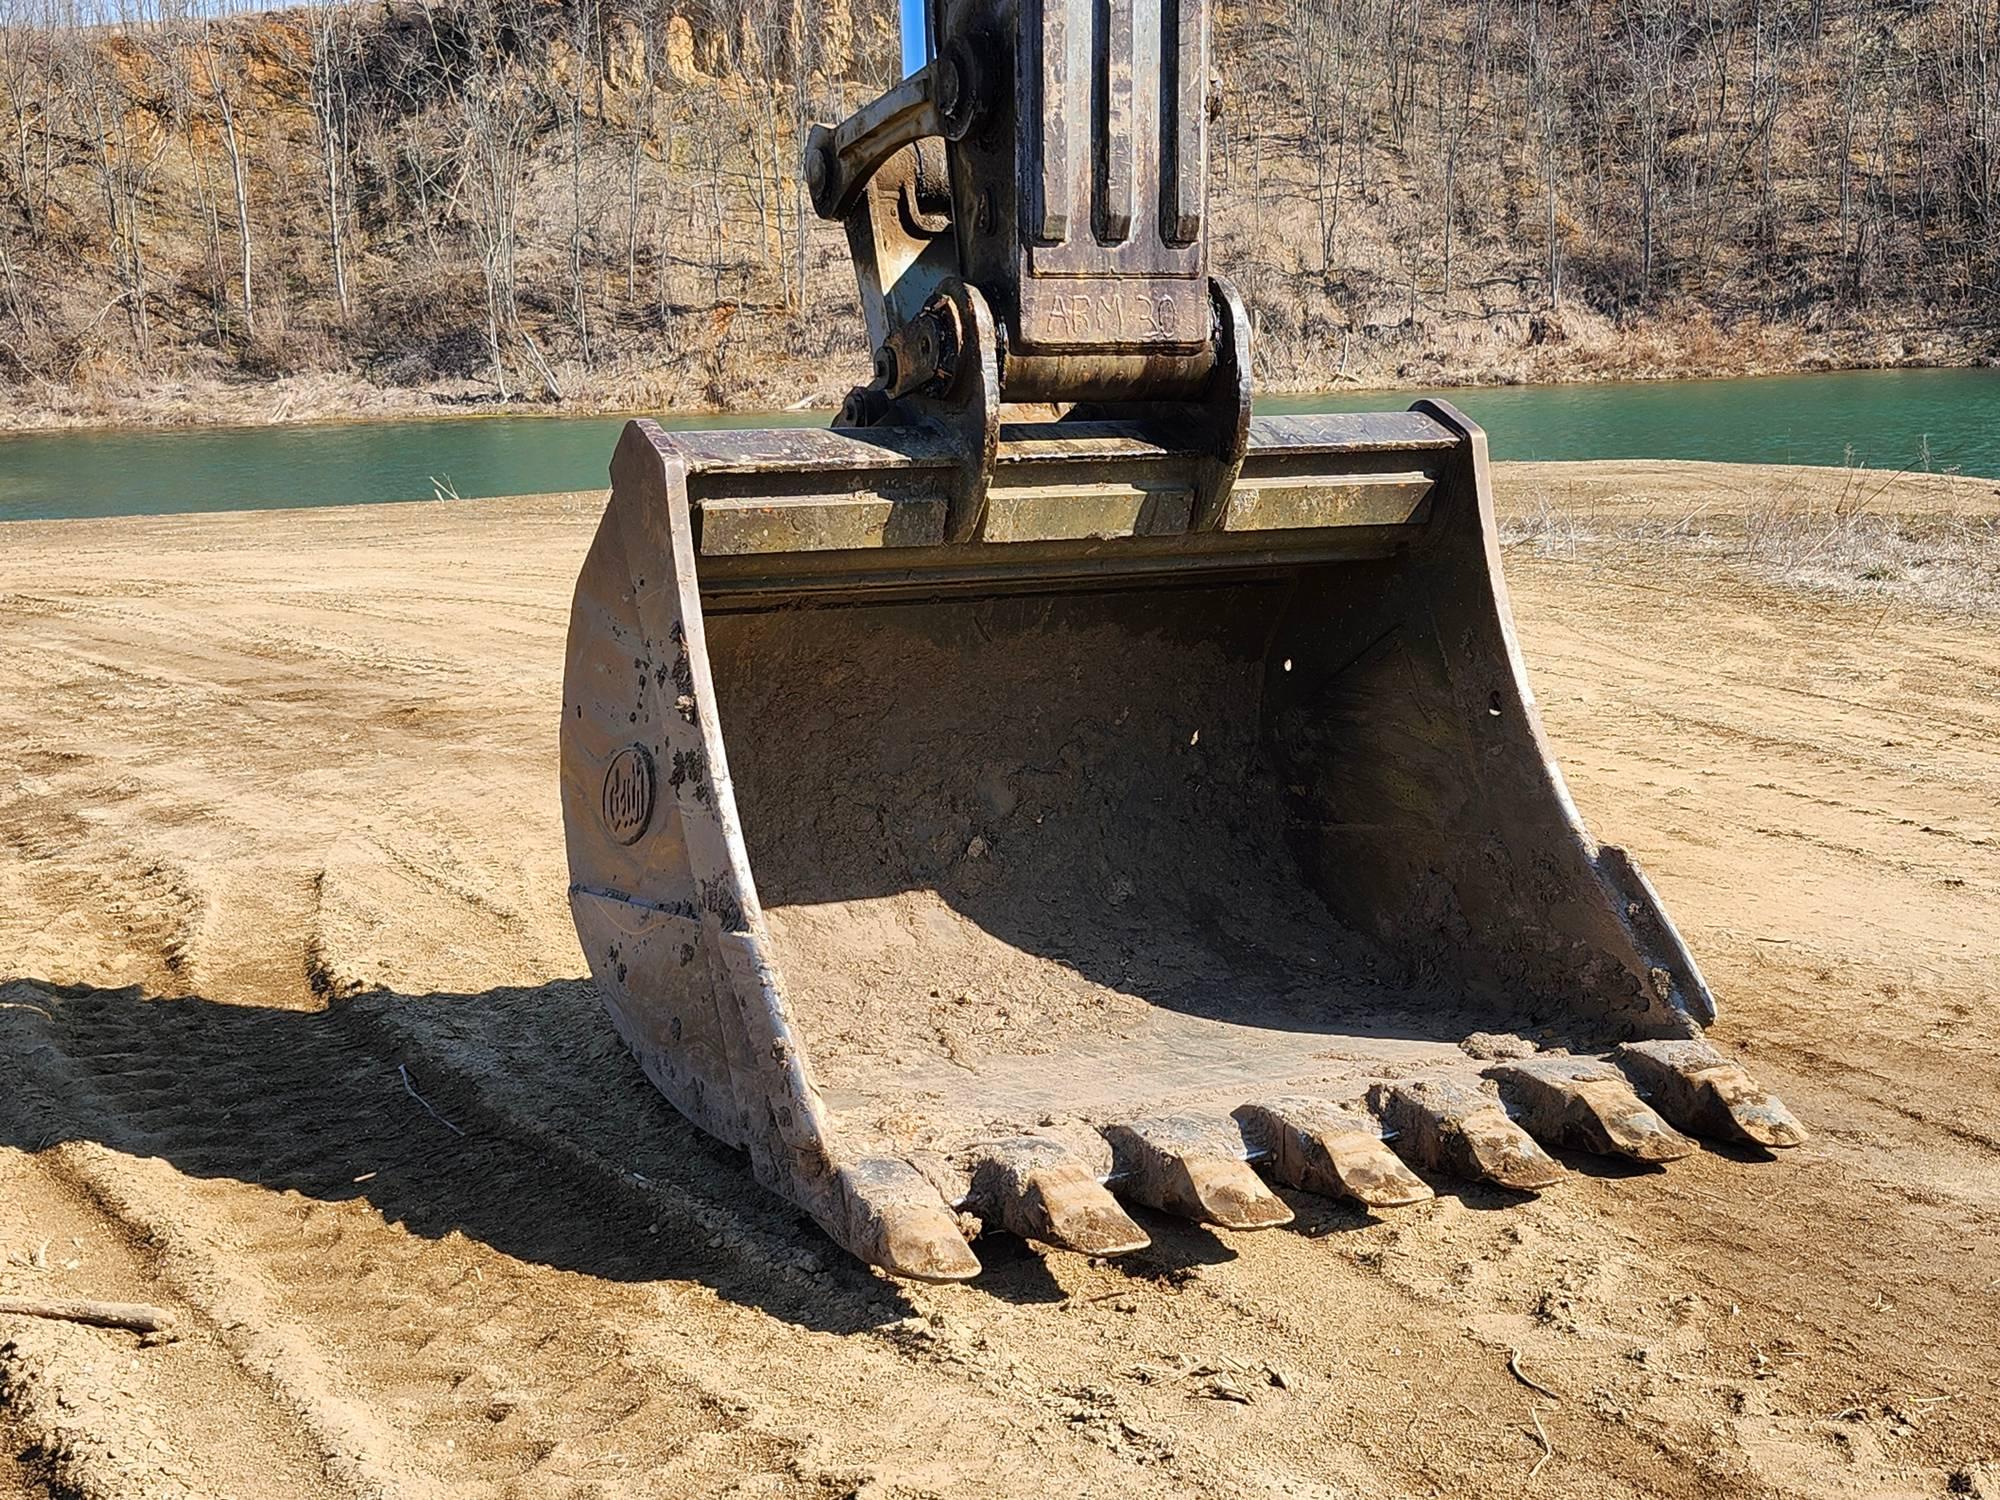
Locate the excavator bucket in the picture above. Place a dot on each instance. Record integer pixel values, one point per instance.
(995, 816)
(989, 876)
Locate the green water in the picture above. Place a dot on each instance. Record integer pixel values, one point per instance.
(1885, 419)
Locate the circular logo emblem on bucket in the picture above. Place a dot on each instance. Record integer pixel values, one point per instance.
(628, 794)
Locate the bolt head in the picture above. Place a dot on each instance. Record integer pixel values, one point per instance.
(948, 80)
(955, 83)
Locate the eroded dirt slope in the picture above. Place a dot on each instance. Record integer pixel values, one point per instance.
(297, 1043)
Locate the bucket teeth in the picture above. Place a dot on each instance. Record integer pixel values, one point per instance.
(1587, 1106)
(1454, 1128)
(890, 1215)
(1701, 1091)
(1338, 1153)
(1193, 1169)
(1041, 1190)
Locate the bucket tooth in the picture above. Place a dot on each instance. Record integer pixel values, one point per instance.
(1192, 1169)
(1702, 1091)
(891, 1216)
(1042, 1190)
(1587, 1106)
(1453, 1127)
(1335, 1152)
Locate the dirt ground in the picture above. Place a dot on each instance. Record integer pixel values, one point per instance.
(295, 1041)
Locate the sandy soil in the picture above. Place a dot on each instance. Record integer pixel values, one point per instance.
(294, 1040)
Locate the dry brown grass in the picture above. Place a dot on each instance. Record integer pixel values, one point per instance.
(1921, 538)
(1858, 547)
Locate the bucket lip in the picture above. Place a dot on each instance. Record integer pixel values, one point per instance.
(808, 450)
(828, 515)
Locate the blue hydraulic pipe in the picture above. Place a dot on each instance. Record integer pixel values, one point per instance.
(916, 38)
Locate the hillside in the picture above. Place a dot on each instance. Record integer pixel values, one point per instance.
(587, 204)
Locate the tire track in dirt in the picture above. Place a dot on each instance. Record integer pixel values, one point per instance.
(433, 1338)
(136, 923)
(124, 1077)
(77, 1417)
(448, 1356)
(99, 1415)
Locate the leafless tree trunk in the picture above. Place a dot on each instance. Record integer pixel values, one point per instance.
(239, 179)
(641, 135)
(25, 68)
(10, 282)
(1651, 55)
(123, 161)
(582, 52)
(500, 112)
(177, 61)
(806, 57)
(1544, 111)
(329, 106)
(1456, 122)
(1323, 58)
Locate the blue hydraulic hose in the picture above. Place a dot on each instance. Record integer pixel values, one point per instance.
(916, 44)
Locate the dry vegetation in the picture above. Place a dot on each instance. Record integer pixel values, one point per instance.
(594, 203)
(1925, 540)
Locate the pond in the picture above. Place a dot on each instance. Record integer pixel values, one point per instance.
(1884, 419)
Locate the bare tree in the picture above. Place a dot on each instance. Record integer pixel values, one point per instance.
(583, 55)
(1652, 56)
(27, 74)
(125, 148)
(1548, 124)
(639, 138)
(1455, 118)
(223, 61)
(1326, 60)
(330, 27)
(500, 111)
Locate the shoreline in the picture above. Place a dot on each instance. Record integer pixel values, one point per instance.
(1599, 491)
(326, 400)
